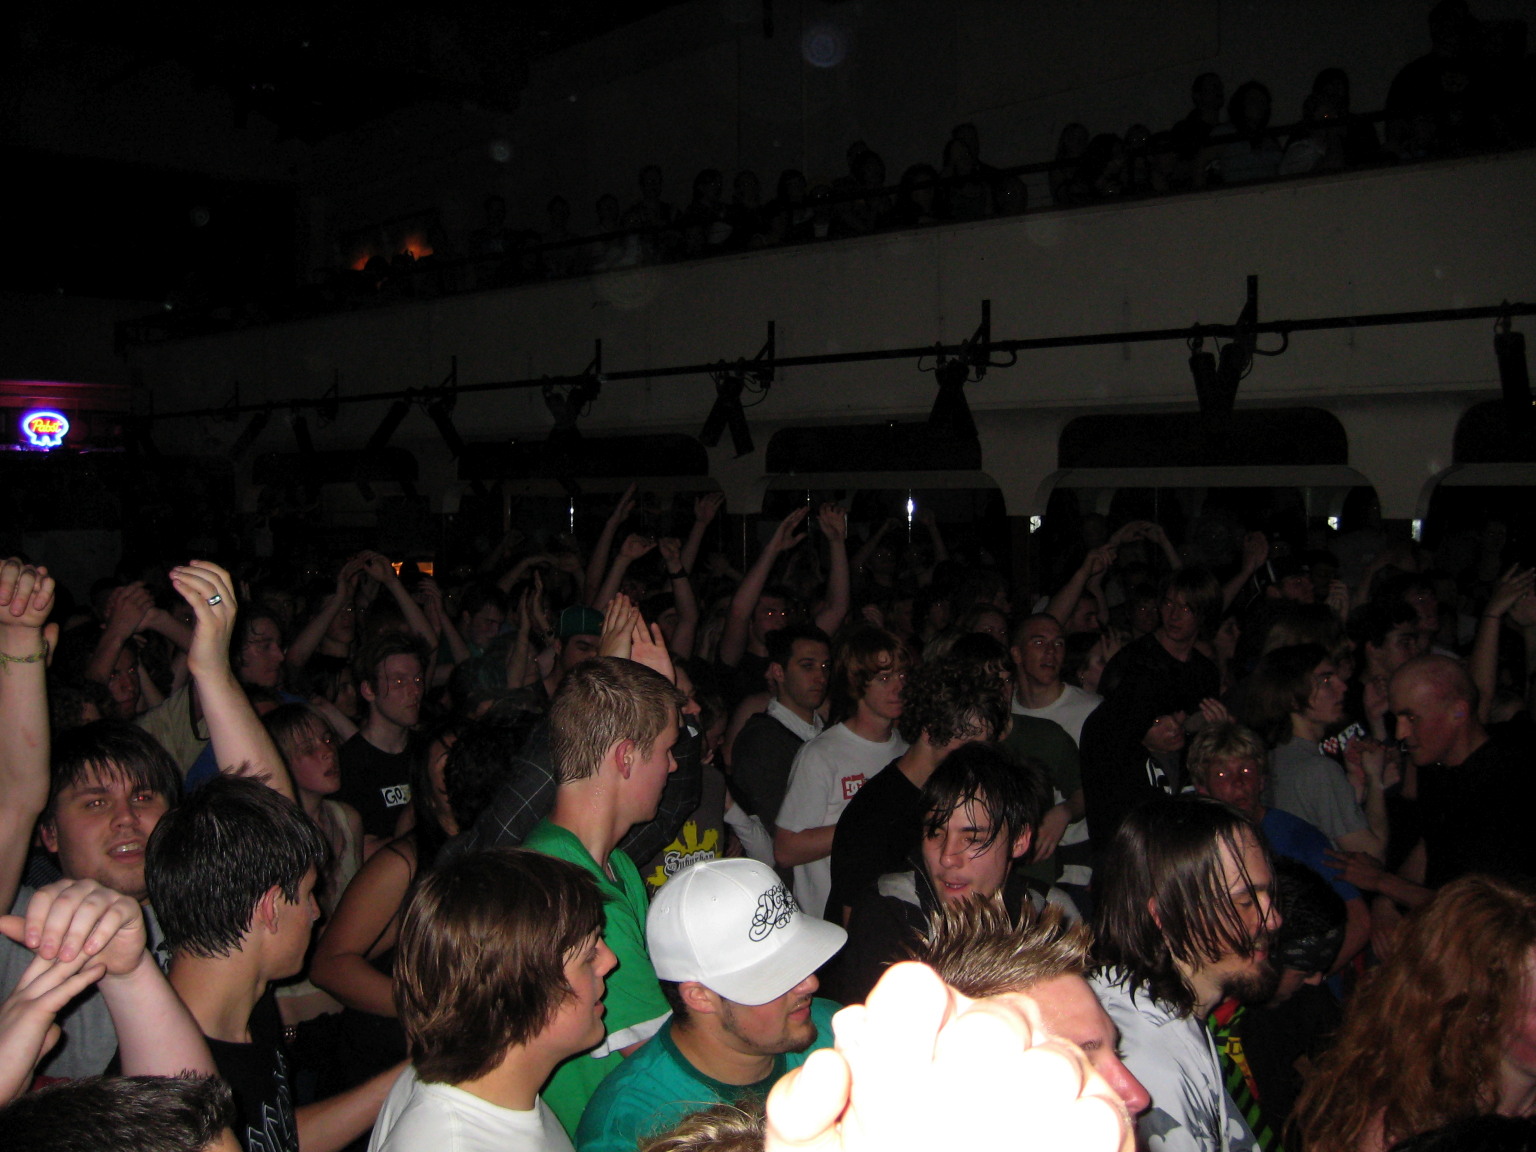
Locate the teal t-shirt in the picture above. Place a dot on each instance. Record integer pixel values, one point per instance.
(633, 996)
(656, 1087)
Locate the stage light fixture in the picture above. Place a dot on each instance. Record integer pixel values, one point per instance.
(727, 413)
(249, 434)
(1515, 382)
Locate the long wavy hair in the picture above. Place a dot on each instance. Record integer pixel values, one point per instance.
(1424, 1033)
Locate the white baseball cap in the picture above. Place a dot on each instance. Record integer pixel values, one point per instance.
(732, 926)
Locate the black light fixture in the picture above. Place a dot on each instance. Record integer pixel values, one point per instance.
(386, 429)
(1515, 381)
(951, 413)
(727, 413)
(249, 434)
(1217, 377)
(440, 412)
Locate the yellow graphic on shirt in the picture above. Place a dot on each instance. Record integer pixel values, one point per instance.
(685, 850)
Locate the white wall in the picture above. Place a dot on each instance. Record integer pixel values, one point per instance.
(1444, 235)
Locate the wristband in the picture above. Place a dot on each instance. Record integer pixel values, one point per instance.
(34, 658)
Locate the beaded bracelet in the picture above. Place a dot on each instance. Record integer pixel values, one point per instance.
(7, 658)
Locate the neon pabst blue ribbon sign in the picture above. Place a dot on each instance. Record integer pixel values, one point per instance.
(44, 429)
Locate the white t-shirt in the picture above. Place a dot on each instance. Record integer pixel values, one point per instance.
(1070, 710)
(826, 774)
(441, 1118)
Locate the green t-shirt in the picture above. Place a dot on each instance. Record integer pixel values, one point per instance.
(1049, 743)
(633, 997)
(656, 1087)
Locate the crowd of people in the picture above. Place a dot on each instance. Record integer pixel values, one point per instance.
(605, 844)
(1472, 92)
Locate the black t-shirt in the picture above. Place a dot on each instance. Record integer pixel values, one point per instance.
(748, 678)
(760, 762)
(257, 1074)
(1476, 816)
(377, 783)
(1185, 682)
(875, 834)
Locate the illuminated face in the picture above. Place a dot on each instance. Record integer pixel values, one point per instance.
(578, 1022)
(1326, 704)
(1069, 1009)
(1040, 650)
(882, 695)
(993, 624)
(313, 761)
(959, 860)
(1237, 781)
(1179, 622)
(1085, 616)
(770, 614)
(806, 675)
(1250, 978)
(396, 691)
(261, 656)
(123, 684)
(1520, 1052)
(1166, 736)
(575, 649)
(484, 626)
(343, 625)
(781, 1025)
(99, 828)
(1429, 725)
(1399, 646)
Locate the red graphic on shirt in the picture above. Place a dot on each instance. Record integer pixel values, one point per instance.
(851, 785)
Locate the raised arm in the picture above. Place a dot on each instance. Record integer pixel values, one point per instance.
(26, 598)
(867, 549)
(634, 547)
(126, 609)
(598, 561)
(1255, 556)
(1483, 664)
(74, 920)
(682, 592)
(705, 508)
(241, 745)
(929, 521)
(734, 640)
(309, 637)
(834, 526)
(378, 568)
(441, 623)
(1065, 601)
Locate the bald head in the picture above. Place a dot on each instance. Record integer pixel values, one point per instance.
(1435, 703)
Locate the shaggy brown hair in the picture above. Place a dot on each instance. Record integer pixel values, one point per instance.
(1424, 1032)
(482, 954)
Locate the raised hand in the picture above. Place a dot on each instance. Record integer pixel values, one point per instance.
(784, 536)
(26, 594)
(834, 522)
(649, 647)
(1515, 585)
(127, 607)
(635, 546)
(671, 550)
(70, 918)
(624, 507)
(619, 622)
(208, 589)
(707, 506)
(1255, 551)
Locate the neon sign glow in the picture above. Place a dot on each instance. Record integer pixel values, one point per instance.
(44, 429)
